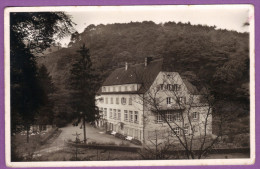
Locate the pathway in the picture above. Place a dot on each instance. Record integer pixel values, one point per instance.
(92, 134)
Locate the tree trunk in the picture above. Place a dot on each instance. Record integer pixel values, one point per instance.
(84, 129)
(27, 133)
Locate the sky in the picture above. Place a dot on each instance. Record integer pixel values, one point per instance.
(230, 17)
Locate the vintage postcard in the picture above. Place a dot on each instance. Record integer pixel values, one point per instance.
(161, 85)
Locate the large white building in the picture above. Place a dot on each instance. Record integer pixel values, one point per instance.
(131, 97)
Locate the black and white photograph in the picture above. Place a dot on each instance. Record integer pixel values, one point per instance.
(130, 85)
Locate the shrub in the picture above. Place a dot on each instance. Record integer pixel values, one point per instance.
(136, 142)
(121, 136)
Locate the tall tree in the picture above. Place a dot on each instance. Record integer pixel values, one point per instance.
(31, 33)
(84, 82)
(46, 114)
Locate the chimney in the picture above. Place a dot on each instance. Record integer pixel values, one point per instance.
(126, 65)
(147, 61)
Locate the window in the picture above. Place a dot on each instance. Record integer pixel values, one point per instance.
(126, 115)
(119, 88)
(102, 100)
(159, 118)
(162, 86)
(195, 115)
(136, 117)
(131, 116)
(104, 89)
(106, 100)
(119, 114)
(108, 88)
(177, 131)
(111, 100)
(168, 100)
(136, 134)
(114, 113)
(123, 100)
(130, 101)
(168, 116)
(117, 100)
(110, 113)
(105, 112)
(175, 87)
(125, 88)
(169, 87)
(114, 89)
(177, 116)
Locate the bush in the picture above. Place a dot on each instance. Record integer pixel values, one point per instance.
(121, 136)
(136, 142)
(242, 140)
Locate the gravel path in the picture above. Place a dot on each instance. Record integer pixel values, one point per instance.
(92, 134)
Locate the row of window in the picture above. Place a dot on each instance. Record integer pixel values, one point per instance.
(119, 88)
(129, 116)
(117, 100)
(171, 87)
(124, 101)
(174, 117)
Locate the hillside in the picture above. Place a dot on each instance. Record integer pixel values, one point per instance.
(218, 58)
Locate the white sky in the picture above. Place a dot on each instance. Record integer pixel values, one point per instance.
(231, 17)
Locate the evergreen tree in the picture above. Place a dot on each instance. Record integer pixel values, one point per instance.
(46, 114)
(84, 82)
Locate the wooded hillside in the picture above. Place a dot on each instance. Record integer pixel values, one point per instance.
(217, 58)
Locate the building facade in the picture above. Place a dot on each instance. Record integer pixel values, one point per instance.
(143, 101)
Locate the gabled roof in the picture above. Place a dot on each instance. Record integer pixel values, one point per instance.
(136, 74)
(141, 74)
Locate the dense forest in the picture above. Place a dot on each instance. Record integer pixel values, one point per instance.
(218, 59)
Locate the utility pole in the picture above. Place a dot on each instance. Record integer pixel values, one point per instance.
(84, 127)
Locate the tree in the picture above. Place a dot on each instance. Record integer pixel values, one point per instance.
(84, 83)
(25, 89)
(187, 114)
(158, 149)
(45, 114)
(31, 33)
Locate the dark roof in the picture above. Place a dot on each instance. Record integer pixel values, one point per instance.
(141, 74)
(191, 88)
(136, 74)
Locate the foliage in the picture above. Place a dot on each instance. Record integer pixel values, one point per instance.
(31, 33)
(219, 58)
(39, 30)
(83, 83)
(45, 114)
